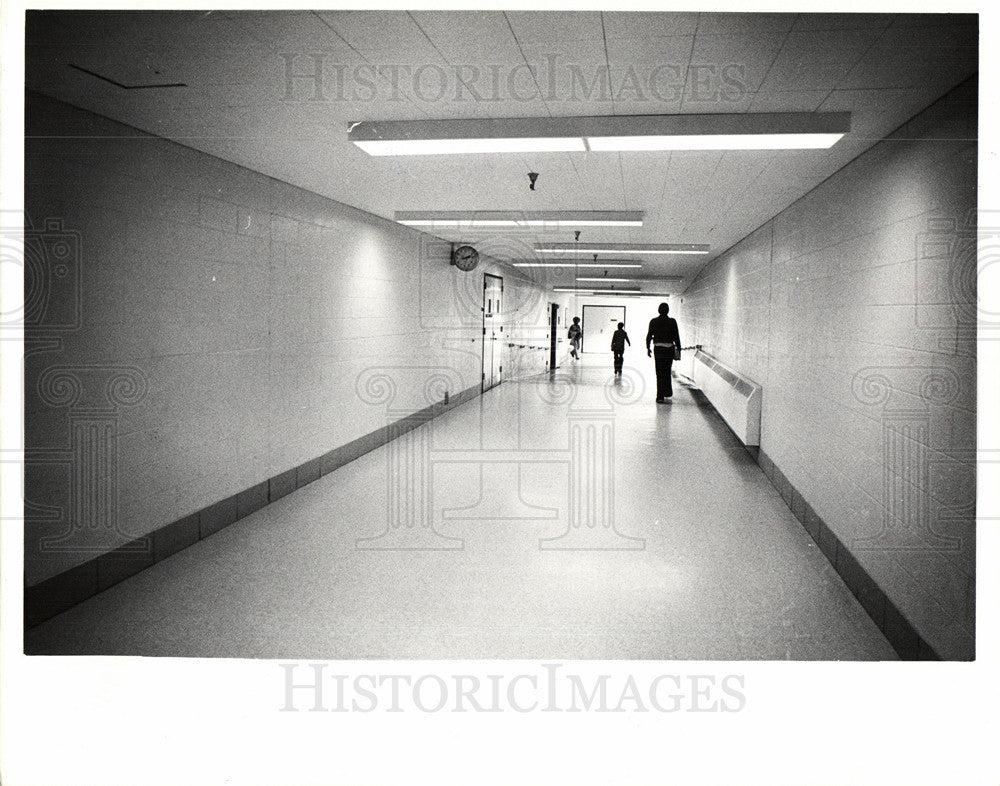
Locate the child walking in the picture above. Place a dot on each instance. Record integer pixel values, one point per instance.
(618, 342)
(575, 334)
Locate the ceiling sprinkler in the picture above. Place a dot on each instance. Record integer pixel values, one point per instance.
(532, 177)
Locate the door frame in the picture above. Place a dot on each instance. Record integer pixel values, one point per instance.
(583, 340)
(482, 384)
(553, 334)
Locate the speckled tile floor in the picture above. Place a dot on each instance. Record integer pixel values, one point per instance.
(708, 563)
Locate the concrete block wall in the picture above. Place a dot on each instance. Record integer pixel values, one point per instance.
(228, 326)
(855, 308)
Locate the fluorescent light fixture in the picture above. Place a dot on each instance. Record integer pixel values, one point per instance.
(621, 248)
(714, 142)
(570, 263)
(592, 290)
(567, 250)
(493, 219)
(743, 131)
(643, 279)
(618, 293)
(510, 222)
(443, 147)
(657, 295)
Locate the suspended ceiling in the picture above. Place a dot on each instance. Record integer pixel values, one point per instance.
(242, 103)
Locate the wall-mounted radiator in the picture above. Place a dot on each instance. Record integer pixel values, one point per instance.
(735, 397)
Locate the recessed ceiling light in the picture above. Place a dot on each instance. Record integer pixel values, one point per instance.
(493, 219)
(615, 280)
(753, 131)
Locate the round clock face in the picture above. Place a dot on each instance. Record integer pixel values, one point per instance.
(465, 257)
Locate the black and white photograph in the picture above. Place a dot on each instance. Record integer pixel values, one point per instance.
(501, 362)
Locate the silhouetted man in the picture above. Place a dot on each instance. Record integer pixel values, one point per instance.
(665, 337)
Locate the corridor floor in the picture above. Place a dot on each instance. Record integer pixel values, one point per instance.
(702, 560)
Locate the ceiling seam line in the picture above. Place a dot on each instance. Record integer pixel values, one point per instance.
(611, 90)
(607, 64)
(874, 43)
(364, 59)
(534, 77)
(687, 71)
(541, 96)
(440, 53)
(710, 177)
(666, 178)
(770, 65)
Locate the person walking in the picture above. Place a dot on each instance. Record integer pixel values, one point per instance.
(618, 342)
(575, 336)
(666, 341)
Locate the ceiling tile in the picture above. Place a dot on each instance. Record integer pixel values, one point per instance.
(668, 54)
(721, 62)
(458, 35)
(842, 21)
(373, 29)
(744, 24)
(817, 60)
(933, 21)
(639, 25)
(555, 28)
(788, 101)
(287, 31)
(917, 56)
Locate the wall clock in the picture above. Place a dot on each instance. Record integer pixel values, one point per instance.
(465, 258)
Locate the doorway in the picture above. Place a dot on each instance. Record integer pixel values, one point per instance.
(492, 330)
(599, 323)
(553, 334)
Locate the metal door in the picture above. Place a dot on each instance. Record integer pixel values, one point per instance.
(492, 330)
(553, 334)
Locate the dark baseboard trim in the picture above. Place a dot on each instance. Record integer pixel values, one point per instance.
(903, 637)
(898, 631)
(65, 590)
